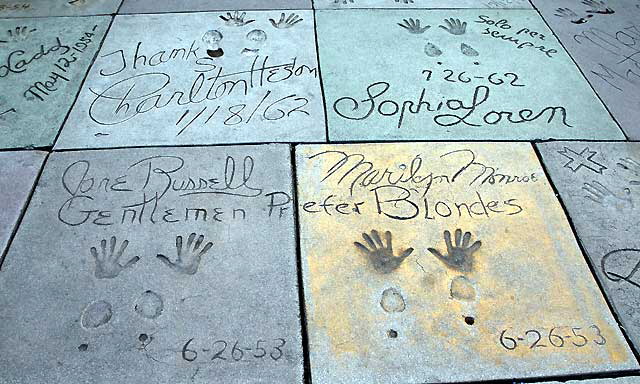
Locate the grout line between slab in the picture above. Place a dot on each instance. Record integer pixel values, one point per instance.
(592, 268)
(23, 211)
(301, 298)
(575, 63)
(324, 99)
(337, 142)
(84, 79)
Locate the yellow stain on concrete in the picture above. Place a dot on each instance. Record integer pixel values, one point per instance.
(528, 274)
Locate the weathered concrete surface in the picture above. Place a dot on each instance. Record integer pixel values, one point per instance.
(166, 265)
(452, 74)
(157, 6)
(604, 38)
(201, 78)
(40, 8)
(619, 380)
(42, 64)
(599, 184)
(420, 310)
(18, 172)
(336, 4)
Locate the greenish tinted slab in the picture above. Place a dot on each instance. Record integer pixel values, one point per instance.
(39, 8)
(42, 64)
(201, 78)
(336, 4)
(156, 6)
(604, 39)
(155, 265)
(452, 74)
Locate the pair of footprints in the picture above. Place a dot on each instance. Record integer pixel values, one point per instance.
(595, 7)
(187, 261)
(459, 254)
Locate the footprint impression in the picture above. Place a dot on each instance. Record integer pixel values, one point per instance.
(459, 257)
(381, 257)
(452, 26)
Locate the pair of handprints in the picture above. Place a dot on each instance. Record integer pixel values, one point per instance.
(187, 261)
(237, 19)
(453, 26)
(380, 254)
(594, 7)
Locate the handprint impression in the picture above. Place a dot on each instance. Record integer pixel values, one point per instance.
(413, 26)
(599, 193)
(236, 20)
(567, 13)
(633, 167)
(188, 259)
(460, 256)
(289, 22)
(380, 256)
(598, 6)
(454, 26)
(108, 264)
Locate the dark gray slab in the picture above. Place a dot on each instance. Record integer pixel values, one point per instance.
(600, 186)
(197, 285)
(169, 84)
(158, 6)
(452, 74)
(39, 8)
(18, 172)
(337, 4)
(42, 64)
(604, 39)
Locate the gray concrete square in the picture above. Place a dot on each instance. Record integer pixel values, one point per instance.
(599, 184)
(17, 176)
(604, 39)
(164, 265)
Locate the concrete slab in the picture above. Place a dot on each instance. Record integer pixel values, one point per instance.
(619, 380)
(44, 8)
(452, 74)
(165, 265)
(17, 176)
(600, 186)
(43, 62)
(604, 39)
(425, 4)
(154, 6)
(484, 279)
(200, 78)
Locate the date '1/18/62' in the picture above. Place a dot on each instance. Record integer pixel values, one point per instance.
(556, 337)
(226, 351)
